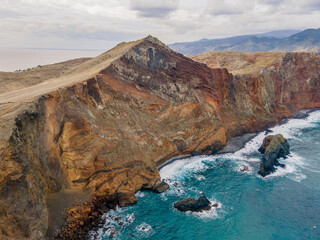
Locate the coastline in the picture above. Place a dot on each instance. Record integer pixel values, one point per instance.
(238, 142)
(92, 218)
(238, 192)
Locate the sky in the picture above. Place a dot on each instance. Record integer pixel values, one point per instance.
(101, 24)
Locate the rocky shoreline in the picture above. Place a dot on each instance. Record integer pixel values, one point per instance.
(238, 142)
(87, 217)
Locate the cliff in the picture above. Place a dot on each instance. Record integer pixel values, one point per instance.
(99, 129)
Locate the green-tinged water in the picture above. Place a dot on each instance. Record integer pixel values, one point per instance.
(285, 205)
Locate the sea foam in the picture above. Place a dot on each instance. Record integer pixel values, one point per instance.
(213, 213)
(112, 220)
(291, 129)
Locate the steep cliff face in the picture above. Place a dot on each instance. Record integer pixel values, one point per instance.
(286, 82)
(103, 136)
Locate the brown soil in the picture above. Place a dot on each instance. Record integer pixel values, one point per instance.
(58, 203)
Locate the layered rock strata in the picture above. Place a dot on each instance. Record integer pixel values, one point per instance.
(97, 132)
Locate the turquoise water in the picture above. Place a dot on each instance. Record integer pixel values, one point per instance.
(285, 205)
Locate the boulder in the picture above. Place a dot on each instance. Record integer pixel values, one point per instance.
(190, 204)
(244, 168)
(124, 199)
(273, 147)
(160, 187)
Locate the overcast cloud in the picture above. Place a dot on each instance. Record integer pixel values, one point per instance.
(100, 24)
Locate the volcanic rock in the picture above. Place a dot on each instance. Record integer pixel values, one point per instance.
(190, 204)
(160, 187)
(273, 148)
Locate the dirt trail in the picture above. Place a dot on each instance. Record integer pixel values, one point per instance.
(80, 73)
(25, 94)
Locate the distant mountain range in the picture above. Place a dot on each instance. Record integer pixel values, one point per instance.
(286, 40)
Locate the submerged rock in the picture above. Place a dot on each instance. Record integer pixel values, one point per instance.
(272, 148)
(190, 204)
(244, 168)
(160, 187)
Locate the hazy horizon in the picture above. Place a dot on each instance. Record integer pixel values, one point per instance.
(21, 59)
(13, 59)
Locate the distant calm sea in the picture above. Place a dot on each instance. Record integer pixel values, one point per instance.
(282, 206)
(14, 59)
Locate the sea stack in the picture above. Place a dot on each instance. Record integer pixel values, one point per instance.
(272, 148)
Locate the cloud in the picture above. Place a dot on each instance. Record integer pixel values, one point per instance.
(9, 13)
(224, 7)
(271, 2)
(292, 7)
(312, 5)
(154, 9)
(103, 23)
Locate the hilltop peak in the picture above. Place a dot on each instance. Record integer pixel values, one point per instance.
(118, 51)
(154, 40)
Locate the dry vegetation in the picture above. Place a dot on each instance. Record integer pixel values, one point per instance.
(25, 78)
(240, 62)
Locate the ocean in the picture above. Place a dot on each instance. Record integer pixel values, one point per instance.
(283, 206)
(15, 59)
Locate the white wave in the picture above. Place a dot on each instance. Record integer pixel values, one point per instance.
(139, 194)
(145, 230)
(114, 221)
(210, 214)
(293, 164)
(289, 171)
(290, 130)
(244, 168)
(143, 227)
(294, 158)
(163, 197)
(200, 177)
(281, 171)
(177, 189)
(182, 167)
(298, 177)
(251, 159)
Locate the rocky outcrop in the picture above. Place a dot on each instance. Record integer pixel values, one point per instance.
(100, 130)
(190, 204)
(273, 148)
(160, 187)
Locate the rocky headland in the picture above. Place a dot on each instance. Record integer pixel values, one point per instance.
(90, 134)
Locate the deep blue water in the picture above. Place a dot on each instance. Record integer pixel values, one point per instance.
(285, 205)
